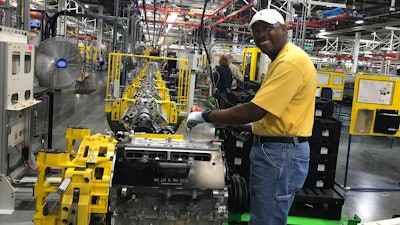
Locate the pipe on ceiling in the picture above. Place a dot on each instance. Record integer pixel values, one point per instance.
(251, 4)
(227, 31)
(311, 24)
(196, 14)
(174, 23)
(321, 23)
(208, 16)
(165, 21)
(220, 7)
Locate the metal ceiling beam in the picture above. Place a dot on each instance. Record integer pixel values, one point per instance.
(363, 28)
(326, 4)
(293, 25)
(221, 7)
(381, 15)
(183, 12)
(320, 3)
(232, 31)
(251, 4)
(180, 11)
(174, 23)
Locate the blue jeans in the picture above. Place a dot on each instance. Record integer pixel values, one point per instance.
(277, 171)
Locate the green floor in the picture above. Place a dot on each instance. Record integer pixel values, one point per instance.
(294, 220)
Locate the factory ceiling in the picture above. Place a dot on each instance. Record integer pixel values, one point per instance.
(168, 22)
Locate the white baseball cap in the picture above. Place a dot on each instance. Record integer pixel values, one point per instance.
(270, 16)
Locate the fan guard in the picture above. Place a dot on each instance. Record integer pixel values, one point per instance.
(58, 63)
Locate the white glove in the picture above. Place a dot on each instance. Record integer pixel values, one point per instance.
(193, 119)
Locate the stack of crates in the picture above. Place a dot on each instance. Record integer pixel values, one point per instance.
(324, 146)
(237, 147)
(318, 190)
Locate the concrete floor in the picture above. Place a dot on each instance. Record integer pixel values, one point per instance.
(373, 163)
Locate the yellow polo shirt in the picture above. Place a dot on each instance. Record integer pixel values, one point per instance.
(288, 94)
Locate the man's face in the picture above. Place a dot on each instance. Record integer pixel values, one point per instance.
(269, 38)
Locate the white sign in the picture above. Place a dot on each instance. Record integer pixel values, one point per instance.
(375, 92)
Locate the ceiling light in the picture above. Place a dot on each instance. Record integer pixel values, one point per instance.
(392, 28)
(392, 6)
(186, 17)
(322, 35)
(172, 17)
(86, 6)
(359, 21)
(161, 40)
(168, 28)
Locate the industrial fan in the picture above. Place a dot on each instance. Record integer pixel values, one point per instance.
(58, 63)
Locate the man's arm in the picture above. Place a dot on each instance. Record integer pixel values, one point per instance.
(237, 73)
(241, 114)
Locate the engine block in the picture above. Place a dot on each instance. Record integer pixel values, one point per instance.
(123, 178)
(168, 182)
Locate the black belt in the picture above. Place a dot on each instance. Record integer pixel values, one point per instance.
(280, 139)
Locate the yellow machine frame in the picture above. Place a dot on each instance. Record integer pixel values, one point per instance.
(86, 195)
(254, 55)
(115, 61)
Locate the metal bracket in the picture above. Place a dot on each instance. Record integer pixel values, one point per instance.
(7, 196)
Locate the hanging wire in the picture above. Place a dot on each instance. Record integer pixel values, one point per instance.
(145, 17)
(201, 31)
(154, 24)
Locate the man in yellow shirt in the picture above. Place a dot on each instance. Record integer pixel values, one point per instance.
(282, 116)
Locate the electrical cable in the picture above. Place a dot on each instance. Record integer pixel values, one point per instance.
(54, 204)
(27, 162)
(145, 17)
(217, 81)
(22, 156)
(31, 166)
(154, 23)
(201, 33)
(43, 136)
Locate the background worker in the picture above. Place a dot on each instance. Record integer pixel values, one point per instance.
(222, 81)
(282, 116)
(339, 70)
(236, 73)
(170, 66)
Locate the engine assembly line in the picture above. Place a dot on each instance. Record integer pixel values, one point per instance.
(192, 112)
(146, 105)
(146, 173)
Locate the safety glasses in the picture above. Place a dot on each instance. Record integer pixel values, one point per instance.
(265, 27)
